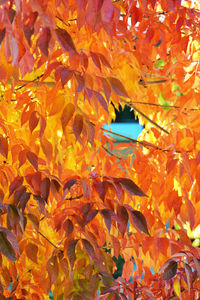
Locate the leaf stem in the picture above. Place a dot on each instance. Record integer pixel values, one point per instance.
(47, 240)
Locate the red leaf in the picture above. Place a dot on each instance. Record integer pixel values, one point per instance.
(6, 247)
(196, 262)
(101, 100)
(34, 221)
(168, 270)
(104, 60)
(106, 87)
(47, 148)
(65, 40)
(2, 35)
(123, 217)
(71, 246)
(67, 114)
(44, 39)
(44, 188)
(96, 59)
(4, 146)
(33, 121)
(31, 252)
(33, 159)
(88, 247)
(107, 218)
(68, 227)
(78, 125)
(52, 268)
(188, 272)
(139, 220)
(29, 25)
(65, 76)
(17, 182)
(101, 189)
(81, 82)
(118, 87)
(107, 11)
(131, 187)
(43, 125)
(69, 184)
(91, 215)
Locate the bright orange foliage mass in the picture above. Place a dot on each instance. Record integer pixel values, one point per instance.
(66, 192)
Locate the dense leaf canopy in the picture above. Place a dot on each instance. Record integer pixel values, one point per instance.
(72, 206)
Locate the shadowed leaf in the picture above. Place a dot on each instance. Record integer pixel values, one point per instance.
(68, 227)
(6, 247)
(168, 270)
(44, 39)
(4, 146)
(139, 220)
(31, 252)
(131, 187)
(65, 40)
(71, 246)
(44, 188)
(67, 114)
(33, 159)
(78, 125)
(118, 87)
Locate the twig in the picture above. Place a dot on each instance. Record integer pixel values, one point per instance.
(144, 116)
(47, 239)
(74, 198)
(23, 85)
(145, 144)
(111, 153)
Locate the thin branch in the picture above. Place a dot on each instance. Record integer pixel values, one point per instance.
(74, 198)
(164, 106)
(145, 144)
(109, 152)
(23, 85)
(144, 116)
(47, 240)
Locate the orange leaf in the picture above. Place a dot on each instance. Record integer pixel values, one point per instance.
(33, 121)
(78, 125)
(118, 87)
(4, 146)
(67, 114)
(127, 270)
(31, 252)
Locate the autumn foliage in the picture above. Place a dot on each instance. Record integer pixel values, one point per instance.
(71, 204)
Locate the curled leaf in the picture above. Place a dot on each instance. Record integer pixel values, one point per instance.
(168, 270)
